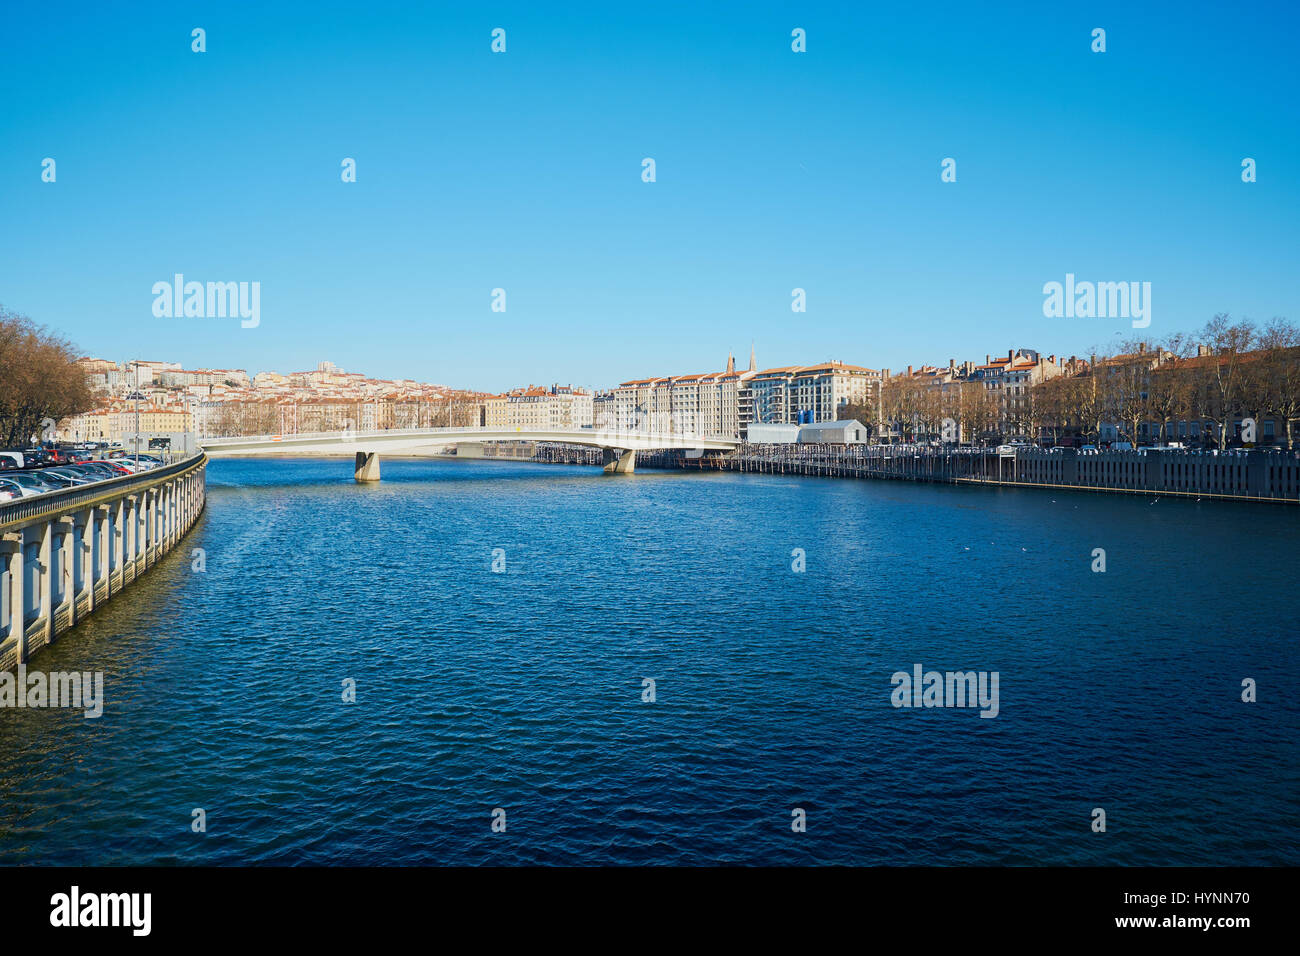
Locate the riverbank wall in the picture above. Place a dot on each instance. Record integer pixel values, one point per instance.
(1253, 475)
(65, 553)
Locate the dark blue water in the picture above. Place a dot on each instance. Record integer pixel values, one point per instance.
(522, 690)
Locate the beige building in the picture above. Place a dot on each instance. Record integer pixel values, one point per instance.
(1009, 380)
(540, 407)
(494, 411)
(269, 380)
(237, 378)
(708, 403)
(111, 424)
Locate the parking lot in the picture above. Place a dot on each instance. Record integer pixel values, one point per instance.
(25, 474)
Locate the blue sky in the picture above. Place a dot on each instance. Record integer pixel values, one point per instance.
(522, 171)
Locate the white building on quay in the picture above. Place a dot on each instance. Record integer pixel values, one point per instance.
(726, 403)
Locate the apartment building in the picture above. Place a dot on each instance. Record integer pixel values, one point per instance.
(494, 411)
(1009, 379)
(706, 403)
(797, 394)
(204, 376)
(540, 407)
(112, 424)
(603, 409)
(269, 380)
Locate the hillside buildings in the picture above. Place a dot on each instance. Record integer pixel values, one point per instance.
(230, 402)
(1149, 395)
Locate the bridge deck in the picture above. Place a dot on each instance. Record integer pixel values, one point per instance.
(395, 439)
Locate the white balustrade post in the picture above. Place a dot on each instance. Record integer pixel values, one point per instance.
(17, 623)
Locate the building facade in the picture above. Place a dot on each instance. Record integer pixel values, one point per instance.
(707, 403)
(540, 407)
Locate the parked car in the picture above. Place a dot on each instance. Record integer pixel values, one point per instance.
(52, 477)
(31, 482)
(126, 463)
(69, 473)
(10, 490)
(114, 466)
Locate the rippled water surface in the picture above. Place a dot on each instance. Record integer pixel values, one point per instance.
(522, 690)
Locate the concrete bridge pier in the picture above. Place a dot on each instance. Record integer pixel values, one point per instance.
(367, 468)
(616, 464)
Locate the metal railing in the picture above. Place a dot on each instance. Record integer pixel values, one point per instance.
(1245, 476)
(609, 438)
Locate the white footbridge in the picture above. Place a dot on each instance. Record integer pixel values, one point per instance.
(620, 445)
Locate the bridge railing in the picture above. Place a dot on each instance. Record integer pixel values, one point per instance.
(351, 435)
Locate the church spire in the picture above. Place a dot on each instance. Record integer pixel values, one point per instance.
(731, 363)
(753, 366)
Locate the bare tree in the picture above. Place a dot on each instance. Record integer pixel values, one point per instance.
(39, 379)
(1279, 373)
(1228, 342)
(1126, 378)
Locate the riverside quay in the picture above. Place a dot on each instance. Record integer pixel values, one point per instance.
(1240, 475)
(65, 553)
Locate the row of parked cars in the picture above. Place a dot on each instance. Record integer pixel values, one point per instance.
(27, 482)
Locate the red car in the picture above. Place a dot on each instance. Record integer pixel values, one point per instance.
(111, 464)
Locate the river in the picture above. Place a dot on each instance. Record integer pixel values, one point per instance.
(521, 688)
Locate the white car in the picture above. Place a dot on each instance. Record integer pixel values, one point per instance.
(12, 490)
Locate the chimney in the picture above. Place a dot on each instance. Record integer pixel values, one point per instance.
(1142, 347)
(1011, 355)
(1202, 350)
(952, 363)
(987, 358)
(909, 371)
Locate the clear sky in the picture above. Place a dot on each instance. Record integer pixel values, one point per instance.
(522, 171)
